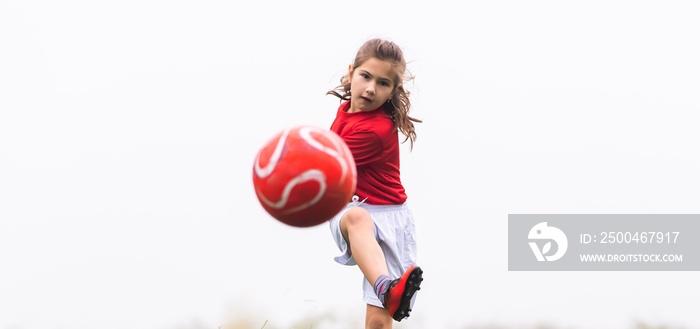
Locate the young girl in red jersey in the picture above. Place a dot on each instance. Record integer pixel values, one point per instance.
(376, 230)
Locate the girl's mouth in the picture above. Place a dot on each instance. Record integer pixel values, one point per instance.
(366, 99)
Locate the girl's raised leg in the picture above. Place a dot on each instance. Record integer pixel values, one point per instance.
(357, 227)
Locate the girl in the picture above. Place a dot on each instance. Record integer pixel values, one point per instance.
(377, 233)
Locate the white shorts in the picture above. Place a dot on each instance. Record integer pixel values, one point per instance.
(395, 231)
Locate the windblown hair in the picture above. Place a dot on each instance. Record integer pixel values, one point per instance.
(398, 106)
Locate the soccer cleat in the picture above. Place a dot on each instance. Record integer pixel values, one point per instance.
(397, 299)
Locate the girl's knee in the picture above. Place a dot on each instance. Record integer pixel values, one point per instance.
(357, 216)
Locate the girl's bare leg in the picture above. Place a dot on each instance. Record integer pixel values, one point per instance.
(357, 227)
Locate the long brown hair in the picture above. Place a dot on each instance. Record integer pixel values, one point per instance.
(398, 106)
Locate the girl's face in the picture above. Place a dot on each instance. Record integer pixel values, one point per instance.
(371, 85)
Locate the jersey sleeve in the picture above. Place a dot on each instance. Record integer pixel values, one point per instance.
(366, 147)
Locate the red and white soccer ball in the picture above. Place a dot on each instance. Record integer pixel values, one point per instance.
(304, 175)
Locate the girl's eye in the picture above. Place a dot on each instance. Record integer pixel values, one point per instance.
(364, 76)
(384, 83)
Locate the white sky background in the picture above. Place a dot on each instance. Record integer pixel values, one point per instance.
(128, 131)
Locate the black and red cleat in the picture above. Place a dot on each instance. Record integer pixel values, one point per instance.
(397, 299)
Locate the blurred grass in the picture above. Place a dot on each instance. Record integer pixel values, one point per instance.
(326, 320)
(312, 325)
(329, 321)
(246, 316)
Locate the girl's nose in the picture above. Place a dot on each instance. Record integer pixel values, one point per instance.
(370, 87)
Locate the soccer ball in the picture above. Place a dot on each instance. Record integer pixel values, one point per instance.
(304, 175)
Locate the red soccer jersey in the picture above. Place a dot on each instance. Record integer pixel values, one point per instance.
(374, 143)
